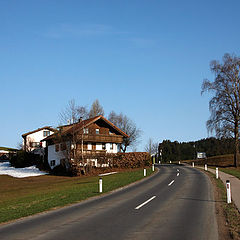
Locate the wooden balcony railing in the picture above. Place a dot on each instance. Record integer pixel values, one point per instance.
(102, 138)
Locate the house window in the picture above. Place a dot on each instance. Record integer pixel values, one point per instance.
(46, 133)
(52, 163)
(97, 130)
(35, 144)
(85, 131)
(98, 146)
(63, 146)
(56, 147)
(103, 146)
(89, 146)
(111, 146)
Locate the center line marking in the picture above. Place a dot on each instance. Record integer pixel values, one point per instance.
(177, 174)
(141, 205)
(178, 170)
(171, 183)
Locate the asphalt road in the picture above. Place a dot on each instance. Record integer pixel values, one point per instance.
(176, 203)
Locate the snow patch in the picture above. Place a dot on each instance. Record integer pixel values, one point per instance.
(105, 174)
(6, 169)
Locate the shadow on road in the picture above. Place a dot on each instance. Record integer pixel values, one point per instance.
(200, 200)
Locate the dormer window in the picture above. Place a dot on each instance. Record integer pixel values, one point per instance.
(97, 130)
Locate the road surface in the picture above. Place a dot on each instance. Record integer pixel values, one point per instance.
(176, 203)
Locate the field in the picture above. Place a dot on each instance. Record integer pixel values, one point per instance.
(22, 197)
(224, 162)
(220, 161)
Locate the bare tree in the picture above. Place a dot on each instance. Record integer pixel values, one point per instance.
(72, 113)
(96, 109)
(127, 126)
(151, 147)
(224, 105)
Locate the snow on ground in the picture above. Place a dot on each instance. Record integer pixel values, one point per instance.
(6, 169)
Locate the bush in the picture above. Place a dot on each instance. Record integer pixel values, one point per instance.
(60, 171)
(24, 159)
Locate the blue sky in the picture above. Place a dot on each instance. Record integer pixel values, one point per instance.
(146, 59)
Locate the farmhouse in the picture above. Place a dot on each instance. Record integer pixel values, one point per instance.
(83, 142)
(32, 140)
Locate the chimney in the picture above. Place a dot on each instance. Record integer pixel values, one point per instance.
(80, 119)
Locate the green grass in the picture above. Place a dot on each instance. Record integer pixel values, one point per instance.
(8, 149)
(28, 196)
(230, 210)
(233, 171)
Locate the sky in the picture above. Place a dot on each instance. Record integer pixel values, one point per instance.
(144, 58)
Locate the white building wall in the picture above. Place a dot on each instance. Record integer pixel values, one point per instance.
(57, 156)
(36, 137)
(109, 150)
(99, 146)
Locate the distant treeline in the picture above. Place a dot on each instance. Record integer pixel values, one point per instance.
(176, 151)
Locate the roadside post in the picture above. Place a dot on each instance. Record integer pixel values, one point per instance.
(179, 162)
(192, 164)
(228, 191)
(100, 185)
(205, 167)
(144, 172)
(216, 173)
(170, 161)
(153, 167)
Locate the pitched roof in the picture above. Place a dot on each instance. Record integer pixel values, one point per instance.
(68, 129)
(39, 129)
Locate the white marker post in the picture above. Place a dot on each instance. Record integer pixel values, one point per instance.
(192, 164)
(170, 161)
(179, 162)
(216, 173)
(153, 167)
(100, 185)
(205, 167)
(228, 191)
(144, 172)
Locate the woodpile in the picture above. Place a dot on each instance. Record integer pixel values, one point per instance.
(113, 160)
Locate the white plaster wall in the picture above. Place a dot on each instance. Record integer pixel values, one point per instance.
(89, 146)
(99, 146)
(36, 137)
(57, 156)
(114, 150)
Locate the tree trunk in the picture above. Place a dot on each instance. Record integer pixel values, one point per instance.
(236, 150)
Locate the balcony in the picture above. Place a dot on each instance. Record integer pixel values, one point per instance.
(102, 138)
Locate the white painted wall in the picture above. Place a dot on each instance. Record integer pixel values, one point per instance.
(109, 150)
(98, 146)
(57, 156)
(89, 146)
(36, 137)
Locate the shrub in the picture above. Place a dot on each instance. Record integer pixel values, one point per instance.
(24, 159)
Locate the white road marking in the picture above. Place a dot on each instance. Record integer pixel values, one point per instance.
(171, 183)
(177, 174)
(141, 205)
(178, 170)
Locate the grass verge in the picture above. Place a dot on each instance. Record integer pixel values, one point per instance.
(233, 171)
(27, 196)
(230, 211)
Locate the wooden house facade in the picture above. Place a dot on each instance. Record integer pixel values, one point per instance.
(83, 141)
